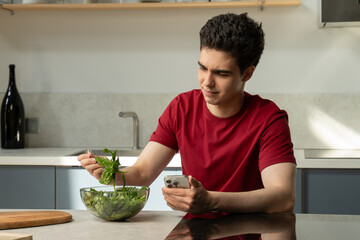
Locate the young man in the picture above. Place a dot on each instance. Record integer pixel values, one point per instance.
(235, 147)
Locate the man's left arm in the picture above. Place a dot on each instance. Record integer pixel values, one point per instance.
(277, 196)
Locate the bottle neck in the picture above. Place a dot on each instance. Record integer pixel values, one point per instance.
(12, 78)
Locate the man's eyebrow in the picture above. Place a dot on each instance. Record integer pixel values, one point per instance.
(217, 71)
(201, 65)
(221, 71)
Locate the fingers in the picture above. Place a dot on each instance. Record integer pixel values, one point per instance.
(175, 191)
(86, 159)
(88, 162)
(193, 200)
(178, 207)
(178, 198)
(85, 156)
(194, 183)
(92, 167)
(95, 170)
(177, 203)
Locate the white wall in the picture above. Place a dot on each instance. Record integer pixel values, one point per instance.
(155, 51)
(138, 60)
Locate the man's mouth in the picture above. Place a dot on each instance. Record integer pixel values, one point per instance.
(209, 92)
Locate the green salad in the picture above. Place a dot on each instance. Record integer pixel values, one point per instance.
(117, 204)
(120, 204)
(111, 168)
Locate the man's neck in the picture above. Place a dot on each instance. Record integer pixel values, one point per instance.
(225, 111)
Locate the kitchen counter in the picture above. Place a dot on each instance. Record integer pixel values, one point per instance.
(146, 225)
(328, 158)
(171, 225)
(306, 158)
(59, 157)
(40, 156)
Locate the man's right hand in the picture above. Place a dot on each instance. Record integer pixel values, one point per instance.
(88, 162)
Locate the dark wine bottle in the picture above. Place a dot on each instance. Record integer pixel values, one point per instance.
(12, 116)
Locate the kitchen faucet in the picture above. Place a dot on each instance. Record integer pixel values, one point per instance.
(135, 127)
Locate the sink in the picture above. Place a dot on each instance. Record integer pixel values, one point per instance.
(120, 152)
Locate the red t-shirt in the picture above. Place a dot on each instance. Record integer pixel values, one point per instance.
(226, 154)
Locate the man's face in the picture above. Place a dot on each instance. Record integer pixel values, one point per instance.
(220, 80)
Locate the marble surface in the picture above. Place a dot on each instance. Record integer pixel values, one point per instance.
(68, 157)
(145, 225)
(61, 157)
(39, 152)
(39, 157)
(173, 225)
(327, 159)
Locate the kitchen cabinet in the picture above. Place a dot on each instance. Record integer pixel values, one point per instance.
(151, 5)
(52, 178)
(69, 180)
(27, 187)
(318, 191)
(332, 191)
(298, 200)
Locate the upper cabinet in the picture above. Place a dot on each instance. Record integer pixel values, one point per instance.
(335, 13)
(146, 5)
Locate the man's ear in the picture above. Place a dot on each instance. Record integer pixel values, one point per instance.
(248, 73)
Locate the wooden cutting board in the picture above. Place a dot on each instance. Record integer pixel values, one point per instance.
(15, 236)
(21, 219)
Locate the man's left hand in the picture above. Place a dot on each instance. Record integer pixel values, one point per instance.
(194, 200)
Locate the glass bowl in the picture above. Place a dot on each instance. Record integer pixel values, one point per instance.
(114, 205)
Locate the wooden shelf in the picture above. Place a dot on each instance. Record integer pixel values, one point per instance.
(151, 5)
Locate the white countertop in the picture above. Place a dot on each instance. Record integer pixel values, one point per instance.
(327, 159)
(40, 156)
(60, 157)
(66, 157)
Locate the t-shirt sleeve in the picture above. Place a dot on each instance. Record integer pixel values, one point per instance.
(275, 143)
(165, 132)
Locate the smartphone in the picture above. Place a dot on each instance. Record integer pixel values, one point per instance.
(176, 181)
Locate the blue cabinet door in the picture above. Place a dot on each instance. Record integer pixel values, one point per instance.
(298, 203)
(332, 191)
(27, 187)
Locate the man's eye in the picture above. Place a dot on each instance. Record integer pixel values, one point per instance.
(223, 74)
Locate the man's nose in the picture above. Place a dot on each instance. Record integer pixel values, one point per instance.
(209, 80)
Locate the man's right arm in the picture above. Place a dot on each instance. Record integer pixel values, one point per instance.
(151, 162)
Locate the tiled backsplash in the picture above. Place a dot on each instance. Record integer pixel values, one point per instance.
(92, 120)
(322, 120)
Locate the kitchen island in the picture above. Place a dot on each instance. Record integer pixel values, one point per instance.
(146, 225)
(171, 225)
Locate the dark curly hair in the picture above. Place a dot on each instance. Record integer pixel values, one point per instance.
(238, 35)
